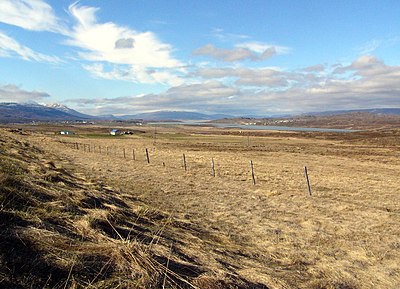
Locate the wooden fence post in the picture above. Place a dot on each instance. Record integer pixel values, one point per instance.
(308, 181)
(212, 167)
(184, 162)
(106, 150)
(147, 156)
(155, 136)
(133, 154)
(124, 153)
(252, 172)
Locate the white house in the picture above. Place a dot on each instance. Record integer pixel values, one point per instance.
(66, 132)
(115, 132)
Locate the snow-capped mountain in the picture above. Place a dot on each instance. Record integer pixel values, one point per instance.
(68, 110)
(26, 112)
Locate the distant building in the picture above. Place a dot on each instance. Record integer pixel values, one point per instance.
(66, 132)
(115, 132)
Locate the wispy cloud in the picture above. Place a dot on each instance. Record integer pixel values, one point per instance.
(13, 93)
(34, 15)
(9, 47)
(224, 36)
(369, 47)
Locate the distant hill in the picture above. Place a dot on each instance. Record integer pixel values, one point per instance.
(27, 112)
(394, 111)
(173, 115)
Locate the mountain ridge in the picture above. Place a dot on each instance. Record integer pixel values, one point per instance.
(28, 112)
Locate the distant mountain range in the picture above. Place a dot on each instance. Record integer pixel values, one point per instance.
(370, 110)
(28, 112)
(17, 112)
(173, 115)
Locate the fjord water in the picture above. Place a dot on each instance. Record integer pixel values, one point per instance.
(253, 127)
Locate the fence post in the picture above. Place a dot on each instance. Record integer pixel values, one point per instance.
(155, 136)
(133, 154)
(184, 162)
(213, 167)
(308, 181)
(124, 153)
(252, 172)
(147, 156)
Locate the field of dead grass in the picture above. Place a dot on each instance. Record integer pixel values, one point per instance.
(272, 234)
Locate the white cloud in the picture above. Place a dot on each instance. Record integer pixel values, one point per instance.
(31, 15)
(260, 47)
(235, 54)
(261, 77)
(134, 74)
(9, 47)
(12, 93)
(108, 42)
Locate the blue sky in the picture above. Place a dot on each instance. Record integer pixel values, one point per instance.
(236, 57)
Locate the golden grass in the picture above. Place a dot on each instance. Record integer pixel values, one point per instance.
(346, 235)
(60, 229)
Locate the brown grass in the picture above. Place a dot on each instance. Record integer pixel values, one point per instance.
(60, 229)
(227, 231)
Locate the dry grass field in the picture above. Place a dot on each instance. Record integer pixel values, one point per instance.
(194, 230)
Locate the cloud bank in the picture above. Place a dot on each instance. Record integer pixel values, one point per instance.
(366, 82)
(13, 93)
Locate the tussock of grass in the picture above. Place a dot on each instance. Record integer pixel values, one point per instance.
(62, 231)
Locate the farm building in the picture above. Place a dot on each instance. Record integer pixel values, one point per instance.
(115, 132)
(66, 132)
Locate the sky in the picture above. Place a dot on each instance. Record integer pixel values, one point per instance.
(259, 58)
